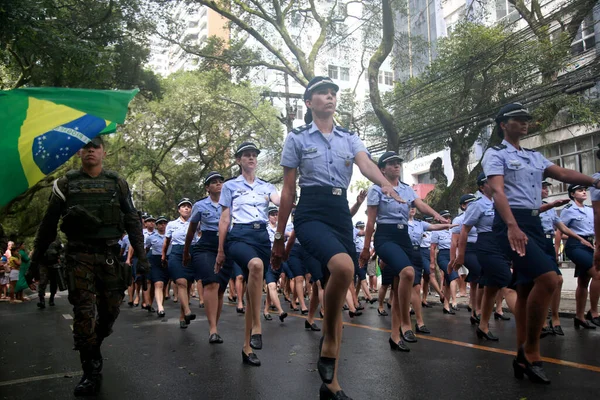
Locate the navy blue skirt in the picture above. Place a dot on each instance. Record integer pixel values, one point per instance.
(495, 265)
(535, 262)
(415, 257)
(296, 261)
(551, 251)
(176, 268)
(393, 246)
(323, 224)
(248, 241)
(204, 257)
(157, 272)
(472, 263)
(426, 260)
(443, 259)
(581, 255)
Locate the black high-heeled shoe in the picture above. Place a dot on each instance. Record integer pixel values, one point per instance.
(354, 314)
(583, 324)
(474, 320)
(267, 317)
(426, 305)
(161, 314)
(488, 336)
(256, 341)
(326, 394)
(502, 317)
(282, 316)
(240, 310)
(592, 319)
(408, 336)
(400, 346)
(372, 301)
(250, 359)
(189, 318)
(382, 313)
(556, 329)
(304, 312)
(313, 327)
(325, 365)
(469, 309)
(534, 371)
(449, 311)
(422, 329)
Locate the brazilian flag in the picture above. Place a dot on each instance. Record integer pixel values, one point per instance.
(41, 128)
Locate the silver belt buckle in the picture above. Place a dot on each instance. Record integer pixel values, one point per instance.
(400, 226)
(415, 247)
(256, 225)
(535, 213)
(336, 191)
(548, 236)
(217, 233)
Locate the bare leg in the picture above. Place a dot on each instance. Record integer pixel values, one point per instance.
(239, 289)
(407, 277)
(381, 296)
(313, 303)
(594, 291)
(201, 291)
(182, 295)
(273, 297)
(253, 297)
(211, 299)
(158, 292)
(373, 282)
(487, 305)
(396, 314)
(299, 281)
(416, 303)
(537, 308)
(452, 294)
(581, 294)
(365, 288)
(350, 299)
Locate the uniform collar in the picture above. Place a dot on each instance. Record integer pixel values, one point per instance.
(510, 148)
(313, 128)
(241, 179)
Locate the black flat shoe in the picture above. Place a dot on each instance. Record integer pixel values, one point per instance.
(474, 320)
(546, 330)
(455, 308)
(422, 329)
(256, 341)
(450, 311)
(534, 371)
(354, 314)
(304, 312)
(426, 305)
(313, 327)
(400, 346)
(409, 336)
(488, 336)
(240, 310)
(250, 359)
(326, 394)
(583, 324)
(283, 316)
(412, 312)
(389, 306)
(189, 317)
(215, 338)
(161, 314)
(325, 365)
(557, 329)
(360, 308)
(130, 303)
(229, 299)
(345, 308)
(201, 305)
(501, 317)
(135, 305)
(267, 317)
(183, 325)
(469, 309)
(372, 301)
(382, 313)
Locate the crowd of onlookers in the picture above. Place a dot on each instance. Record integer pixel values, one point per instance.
(14, 264)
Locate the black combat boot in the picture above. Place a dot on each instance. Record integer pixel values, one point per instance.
(51, 302)
(42, 303)
(97, 361)
(88, 385)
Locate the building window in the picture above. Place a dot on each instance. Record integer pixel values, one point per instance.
(192, 24)
(425, 178)
(344, 74)
(380, 77)
(577, 154)
(332, 71)
(388, 78)
(299, 112)
(586, 37)
(504, 9)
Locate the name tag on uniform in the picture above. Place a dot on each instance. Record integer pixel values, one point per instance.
(310, 150)
(514, 163)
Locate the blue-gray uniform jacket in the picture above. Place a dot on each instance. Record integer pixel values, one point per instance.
(154, 241)
(389, 211)
(579, 219)
(207, 214)
(426, 240)
(480, 215)
(177, 230)
(416, 230)
(248, 202)
(549, 221)
(523, 172)
(595, 193)
(459, 220)
(442, 238)
(322, 161)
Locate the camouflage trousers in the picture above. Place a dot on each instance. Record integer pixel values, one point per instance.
(96, 289)
(47, 274)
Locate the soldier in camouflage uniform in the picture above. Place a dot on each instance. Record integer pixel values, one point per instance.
(49, 273)
(95, 207)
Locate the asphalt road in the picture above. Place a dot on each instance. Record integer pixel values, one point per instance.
(148, 358)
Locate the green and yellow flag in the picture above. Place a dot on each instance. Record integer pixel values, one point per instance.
(41, 128)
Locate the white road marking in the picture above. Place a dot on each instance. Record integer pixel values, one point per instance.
(67, 316)
(41, 378)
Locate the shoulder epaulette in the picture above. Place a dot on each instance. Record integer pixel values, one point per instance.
(229, 179)
(532, 150)
(499, 147)
(405, 184)
(205, 197)
(569, 205)
(301, 129)
(341, 128)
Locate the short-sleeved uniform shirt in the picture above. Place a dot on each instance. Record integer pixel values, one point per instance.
(549, 220)
(472, 238)
(442, 238)
(523, 172)
(480, 215)
(125, 245)
(248, 202)
(207, 214)
(416, 230)
(177, 230)
(323, 160)
(390, 211)
(595, 193)
(426, 240)
(359, 241)
(154, 241)
(579, 219)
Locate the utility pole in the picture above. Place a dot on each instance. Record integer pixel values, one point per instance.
(290, 110)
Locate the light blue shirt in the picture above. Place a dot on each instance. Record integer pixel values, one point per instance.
(579, 219)
(442, 238)
(177, 230)
(549, 221)
(155, 242)
(595, 193)
(323, 161)
(523, 172)
(389, 211)
(248, 203)
(207, 214)
(426, 239)
(472, 237)
(359, 241)
(125, 244)
(480, 215)
(416, 230)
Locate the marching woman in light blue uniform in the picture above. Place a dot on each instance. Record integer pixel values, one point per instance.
(515, 175)
(324, 155)
(206, 214)
(393, 244)
(442, 241)
(159, 275)
(595, 195)
(245, 201)
(172, 255)
(580, 219)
